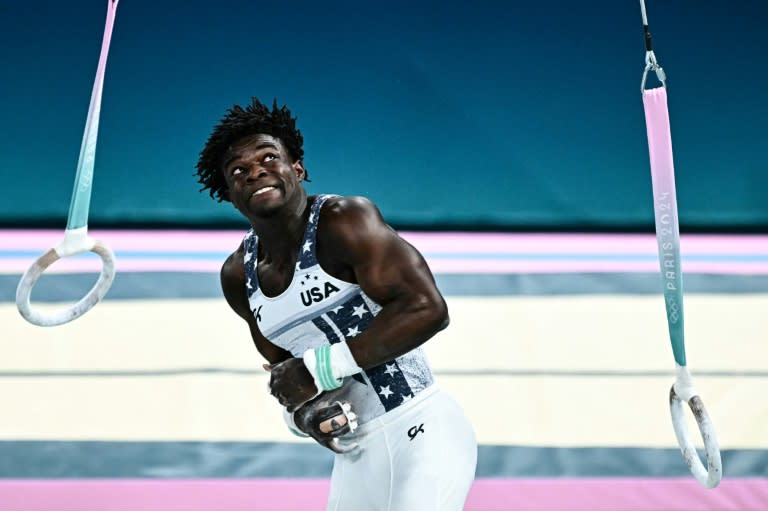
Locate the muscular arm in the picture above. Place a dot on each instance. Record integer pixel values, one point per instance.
(233, 286)
(356, 243)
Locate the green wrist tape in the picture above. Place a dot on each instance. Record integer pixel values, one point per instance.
(324, 370)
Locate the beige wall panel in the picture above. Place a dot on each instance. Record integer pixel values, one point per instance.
(550, 335)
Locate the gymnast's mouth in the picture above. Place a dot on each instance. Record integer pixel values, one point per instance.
(263, 190)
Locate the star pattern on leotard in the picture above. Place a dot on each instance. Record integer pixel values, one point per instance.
(307, 257)
(351, 319)
(250, 244)
(391, 370)
(307, 278)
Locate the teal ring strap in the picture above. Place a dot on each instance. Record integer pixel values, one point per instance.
(81, 193)
(76, 239)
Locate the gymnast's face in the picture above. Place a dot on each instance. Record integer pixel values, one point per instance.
(261, 176)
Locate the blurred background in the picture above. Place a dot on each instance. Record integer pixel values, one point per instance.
(505, 140)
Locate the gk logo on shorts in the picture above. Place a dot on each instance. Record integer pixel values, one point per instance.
(415, 430)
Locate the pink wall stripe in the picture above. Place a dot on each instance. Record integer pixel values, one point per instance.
(128, 240)
(177, 240)
(204, 251)
(16, 265)
(93, 265)
(604, 494)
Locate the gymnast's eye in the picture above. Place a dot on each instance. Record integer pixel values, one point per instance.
(237, 171)
(270, 157)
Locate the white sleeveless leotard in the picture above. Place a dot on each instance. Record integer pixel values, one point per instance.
(319, 309)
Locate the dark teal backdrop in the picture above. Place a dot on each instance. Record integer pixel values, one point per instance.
(511, 115)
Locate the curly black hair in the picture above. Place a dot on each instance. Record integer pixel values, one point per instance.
(237, 123)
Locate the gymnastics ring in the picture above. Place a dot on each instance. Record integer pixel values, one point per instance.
(668, 240)
(710, 476)
(76, 239)
(65, 249)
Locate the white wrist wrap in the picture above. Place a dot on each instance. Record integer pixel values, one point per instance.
(329, 365)
(342, 362)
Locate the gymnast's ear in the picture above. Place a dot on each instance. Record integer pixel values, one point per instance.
(225, 195)
(298, 167)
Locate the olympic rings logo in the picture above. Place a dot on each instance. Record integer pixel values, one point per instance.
(673, 311)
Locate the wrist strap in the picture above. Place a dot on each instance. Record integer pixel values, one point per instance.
(330, 364)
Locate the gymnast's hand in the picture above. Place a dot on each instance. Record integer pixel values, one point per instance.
(327, 418)
(291, 383)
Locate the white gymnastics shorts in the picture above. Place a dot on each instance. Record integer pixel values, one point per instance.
(420, 456)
